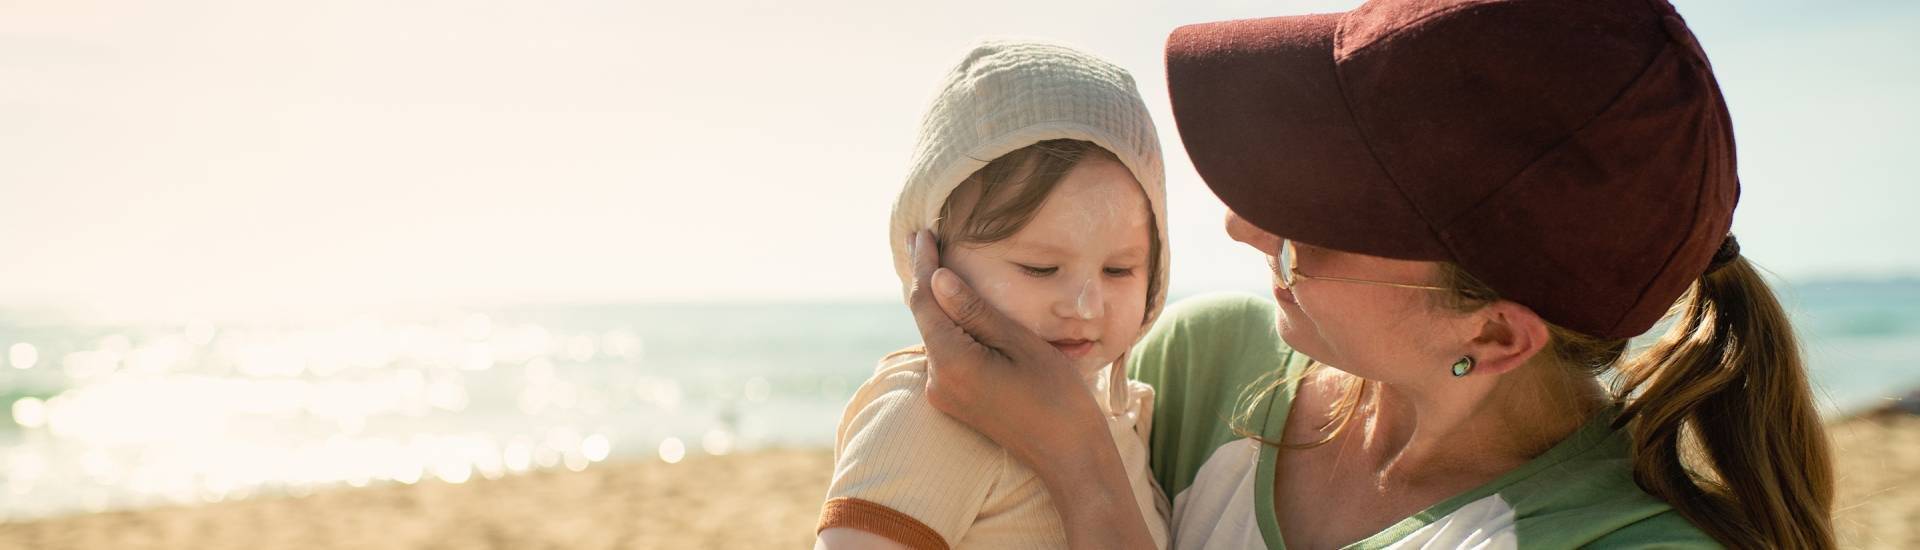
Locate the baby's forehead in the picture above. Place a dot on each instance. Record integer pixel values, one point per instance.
(1088, 217)
(1047, 244)
(1096, 200)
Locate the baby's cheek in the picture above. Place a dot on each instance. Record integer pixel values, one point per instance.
(1128, 312)
(997, 291)
(1009, 299)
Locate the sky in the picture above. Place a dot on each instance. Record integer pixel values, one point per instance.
(279, 155)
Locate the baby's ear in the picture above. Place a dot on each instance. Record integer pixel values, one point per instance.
(1509, 335)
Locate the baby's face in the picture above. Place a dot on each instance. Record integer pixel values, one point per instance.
(1077, 273)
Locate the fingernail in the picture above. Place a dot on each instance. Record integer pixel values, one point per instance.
(944, 284)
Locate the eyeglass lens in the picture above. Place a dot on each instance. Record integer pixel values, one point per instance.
(1286, 259)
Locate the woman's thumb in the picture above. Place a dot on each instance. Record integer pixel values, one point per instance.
(977, 317)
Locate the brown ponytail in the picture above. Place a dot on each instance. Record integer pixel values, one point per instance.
(1722, 421)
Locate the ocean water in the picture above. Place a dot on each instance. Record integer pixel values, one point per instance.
(103, 415)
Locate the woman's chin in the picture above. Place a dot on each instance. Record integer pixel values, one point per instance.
(1301, 340)
(1294, 335)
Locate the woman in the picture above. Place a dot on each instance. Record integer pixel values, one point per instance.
(1469, 207)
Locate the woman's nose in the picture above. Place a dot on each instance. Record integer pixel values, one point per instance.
(1084, 301)
(1240, 229)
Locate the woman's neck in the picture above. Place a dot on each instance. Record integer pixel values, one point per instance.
(1486, 425)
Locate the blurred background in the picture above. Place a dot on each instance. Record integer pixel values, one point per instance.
(602, 274)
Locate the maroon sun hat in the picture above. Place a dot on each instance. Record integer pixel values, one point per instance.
(1575, 155)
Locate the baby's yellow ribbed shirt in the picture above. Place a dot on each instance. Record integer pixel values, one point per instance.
(906, 471)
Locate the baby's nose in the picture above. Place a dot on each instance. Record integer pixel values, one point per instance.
(1083, 301)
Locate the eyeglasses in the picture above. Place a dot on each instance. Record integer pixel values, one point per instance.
(1291, 273)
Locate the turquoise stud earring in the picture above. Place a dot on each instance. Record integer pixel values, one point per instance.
(1463, 366)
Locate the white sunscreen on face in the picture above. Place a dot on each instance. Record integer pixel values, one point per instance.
(997, 288)
(1084, 306)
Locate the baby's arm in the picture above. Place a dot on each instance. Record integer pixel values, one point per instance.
(848, 538)
(904, 472)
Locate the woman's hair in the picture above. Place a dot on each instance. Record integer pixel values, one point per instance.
(1718, 411)
(1009, 190)
(1723, 422)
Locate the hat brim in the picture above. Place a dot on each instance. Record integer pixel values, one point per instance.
(1263, 116)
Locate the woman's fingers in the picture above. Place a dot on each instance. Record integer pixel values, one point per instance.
(953, 318)
(994, 375)
(954, 357)
(937, 330)
(980, 319)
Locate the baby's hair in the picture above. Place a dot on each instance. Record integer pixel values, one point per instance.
(1009, 190)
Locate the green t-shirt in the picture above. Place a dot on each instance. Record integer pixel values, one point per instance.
(1209, 357)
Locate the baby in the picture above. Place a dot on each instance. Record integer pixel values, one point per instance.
(1039, 172)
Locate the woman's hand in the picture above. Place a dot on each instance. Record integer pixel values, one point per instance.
(999, 378)
(989, 372)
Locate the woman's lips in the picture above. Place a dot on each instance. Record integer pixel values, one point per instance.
(1073, 348)
(1283, 295)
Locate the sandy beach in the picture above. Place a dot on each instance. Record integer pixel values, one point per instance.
(761, 499)
(1877, 468)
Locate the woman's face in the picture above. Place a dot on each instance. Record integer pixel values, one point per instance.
(1076, 275)
(1383, 333)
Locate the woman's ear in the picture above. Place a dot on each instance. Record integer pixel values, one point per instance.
(1510, 334)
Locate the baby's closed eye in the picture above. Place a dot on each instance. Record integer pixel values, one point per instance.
(1037, 271)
